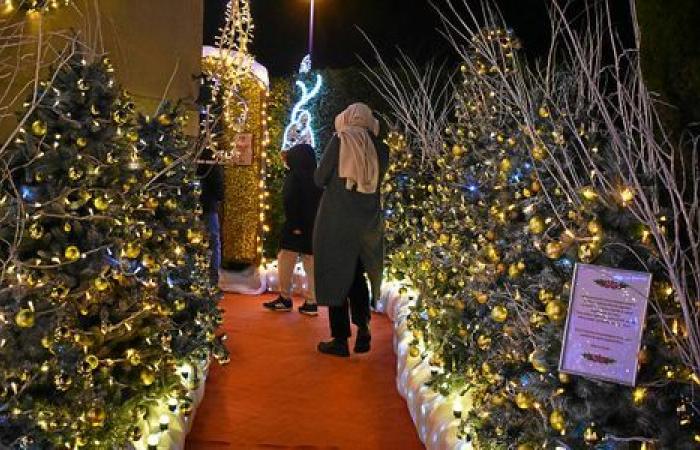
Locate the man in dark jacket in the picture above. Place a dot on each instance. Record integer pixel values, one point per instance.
(212, 183)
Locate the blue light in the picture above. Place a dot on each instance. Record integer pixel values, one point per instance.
(28, 193)
(300, 129)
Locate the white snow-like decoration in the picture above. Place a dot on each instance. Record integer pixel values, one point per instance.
(432, 413)
(259, 71)
(174, 435)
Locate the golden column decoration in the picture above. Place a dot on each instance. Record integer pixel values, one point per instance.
(244, 208)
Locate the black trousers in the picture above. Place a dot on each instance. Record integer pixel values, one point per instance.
(357, 305)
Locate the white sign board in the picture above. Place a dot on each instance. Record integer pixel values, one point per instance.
(605, 321)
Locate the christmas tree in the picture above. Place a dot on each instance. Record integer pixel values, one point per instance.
(102, 294)
(491, 250)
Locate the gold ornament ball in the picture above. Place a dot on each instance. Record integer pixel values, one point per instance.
(101, 203)
(25, 318)
(414, 352)
(92, 361)
(132, 136)
(553, 250)
(481, 298)
(523, 400)
(535, 186)
(72, 253)
(536, 225)
(564, 378)
(557, 421)
(96, 416)
(555, 310)
(539, 152)
(499, 313)
(164, 120)
(537, 359)
(180, 305)
(484, 342)
(457, 150)
(132, 250)
(148, 377)
(544, 112)
(36, 231)
(39, 128)
(81, 142)
(101, 284)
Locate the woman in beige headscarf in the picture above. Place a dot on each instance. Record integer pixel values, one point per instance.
(349, 232)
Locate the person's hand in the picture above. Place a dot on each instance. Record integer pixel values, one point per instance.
(297, 232)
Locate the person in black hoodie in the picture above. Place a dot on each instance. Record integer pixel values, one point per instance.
(211, 178)
(301, 198)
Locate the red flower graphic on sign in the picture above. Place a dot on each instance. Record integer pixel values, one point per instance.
(600, 359)
(611, 284)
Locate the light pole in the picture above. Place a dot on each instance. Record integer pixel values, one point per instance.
(311, 26)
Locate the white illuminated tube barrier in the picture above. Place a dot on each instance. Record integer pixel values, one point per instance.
(435, 416)
(166, 426)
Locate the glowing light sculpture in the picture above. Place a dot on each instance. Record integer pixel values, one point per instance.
(300, 129)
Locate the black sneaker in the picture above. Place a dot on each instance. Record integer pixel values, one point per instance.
(336, 347)
(279, 304)
(310, 309)
(362, 342)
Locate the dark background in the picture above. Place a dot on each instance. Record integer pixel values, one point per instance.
(413, 25)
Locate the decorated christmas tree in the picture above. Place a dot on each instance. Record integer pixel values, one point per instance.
(102, 294)
(491, 250)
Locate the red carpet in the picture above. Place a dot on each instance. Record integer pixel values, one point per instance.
(279, 393)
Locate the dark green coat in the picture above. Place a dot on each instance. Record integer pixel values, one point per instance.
(349, 225)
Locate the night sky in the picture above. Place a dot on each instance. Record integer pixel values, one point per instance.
(413, 25)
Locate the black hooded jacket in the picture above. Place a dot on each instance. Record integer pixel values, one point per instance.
(301, 197)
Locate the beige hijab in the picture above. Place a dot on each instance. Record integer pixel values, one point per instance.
(358, 157)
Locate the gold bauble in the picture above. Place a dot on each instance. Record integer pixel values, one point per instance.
(101, 284)
(25, 318)
(133, 357)
(101, 203)
(179, 304)
(81, 142)
(536, 225)
(414, 352)
(164, 120)
(523, 400)
(148, 260)
(537, 359)
(557, 421)
(194, 236)
(151, 203)
(148, 376)
(132, 136)
(132, 250)
(544, 112)
(72, 253)
(553, 250)
(96, 416)
(564, 378)
(499, 313)
(481, 297)
(545, 296)
(505, 165)
(539, 152)
(39, 128)
(170, 204)
(535, 186)
(92, 361)
(595, 228)
(437, 225)
(36, 231)
(555, 310)
(457, 150)
(484, 342)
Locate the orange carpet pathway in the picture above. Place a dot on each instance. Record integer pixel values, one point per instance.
(279, 393)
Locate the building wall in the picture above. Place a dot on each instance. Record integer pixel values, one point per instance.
(154, 45)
